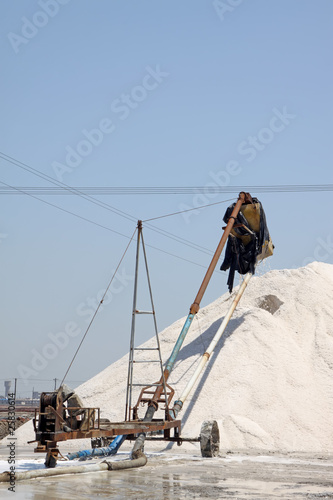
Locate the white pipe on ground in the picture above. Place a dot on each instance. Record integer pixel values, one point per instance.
(139, 461)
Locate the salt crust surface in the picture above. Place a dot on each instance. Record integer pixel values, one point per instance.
(269, 383)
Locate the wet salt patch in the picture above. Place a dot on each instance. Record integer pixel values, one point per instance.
(191, 458)
(249, 458)
(276, 460)
(26, 465)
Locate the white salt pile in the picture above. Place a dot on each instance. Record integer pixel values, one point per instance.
(269, 384)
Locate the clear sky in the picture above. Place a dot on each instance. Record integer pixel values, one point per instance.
(191, 93)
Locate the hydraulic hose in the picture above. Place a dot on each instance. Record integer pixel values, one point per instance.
(98, 452)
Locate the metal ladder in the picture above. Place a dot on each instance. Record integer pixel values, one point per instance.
(131, 412)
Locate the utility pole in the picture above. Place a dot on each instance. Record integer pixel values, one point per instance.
(55, 384)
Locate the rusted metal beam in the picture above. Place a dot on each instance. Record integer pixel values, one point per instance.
(243, 197)
(109, 429)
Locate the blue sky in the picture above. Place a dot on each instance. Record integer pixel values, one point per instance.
(191, 93)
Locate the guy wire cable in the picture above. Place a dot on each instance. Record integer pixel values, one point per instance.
(99, 305)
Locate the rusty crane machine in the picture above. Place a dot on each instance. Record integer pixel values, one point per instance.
(62, 416)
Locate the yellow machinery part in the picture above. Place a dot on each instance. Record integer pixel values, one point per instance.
(251, 212)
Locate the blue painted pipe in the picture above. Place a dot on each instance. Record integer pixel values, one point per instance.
(180, 340)
(98, 452)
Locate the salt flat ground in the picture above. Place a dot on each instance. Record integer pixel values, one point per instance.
(178, 474)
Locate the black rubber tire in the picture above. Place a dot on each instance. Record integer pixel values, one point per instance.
(209, 439)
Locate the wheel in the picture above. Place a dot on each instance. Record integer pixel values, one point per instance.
(209, 439)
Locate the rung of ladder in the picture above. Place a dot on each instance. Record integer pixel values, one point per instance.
(147, 400)
(145, 348)
(146, 361)
(152, 392)
(143, 312)
(145, 385)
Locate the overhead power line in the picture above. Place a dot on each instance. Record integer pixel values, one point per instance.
(162, 190)
(62, 185)
(73, 190)
(69, 212)
(112, 230)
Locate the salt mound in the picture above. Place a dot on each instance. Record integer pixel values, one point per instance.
(269, 383)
